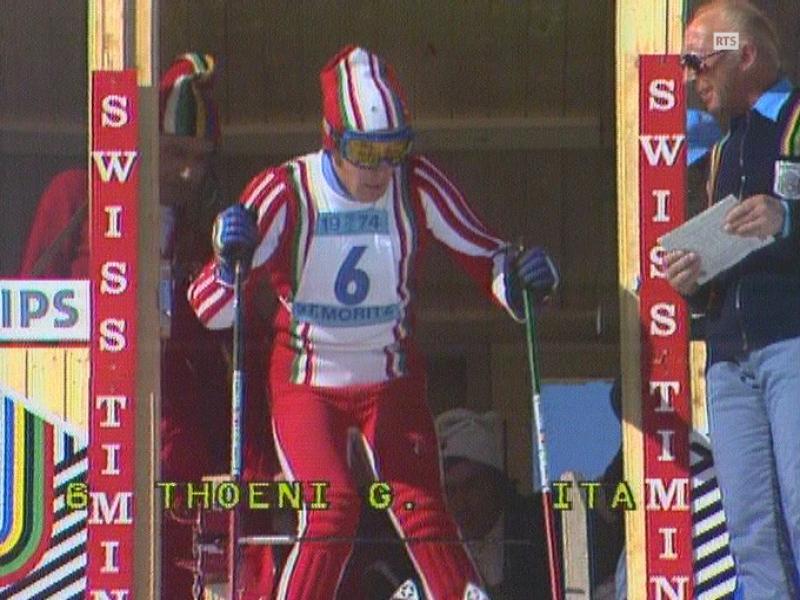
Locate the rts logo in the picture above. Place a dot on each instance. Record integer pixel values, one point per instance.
(726, 40)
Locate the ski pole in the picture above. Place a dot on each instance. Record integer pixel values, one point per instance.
(539, 435)
(237, 430)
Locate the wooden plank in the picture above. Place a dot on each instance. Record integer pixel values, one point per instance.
(542, 220)
(587, 50)
(174, 26)
(8, 99)
(641, 27)
(469, 133)
(244, 68)
(146, 59)
(107, 34)
(454, 58)
(447, 385)
(147, 554)
(508, 71)
(472, 60)
(34, 137)
(511, 397)
(697, 376)
(608, 227)
(207, 34)
(24, 179)
(546, 45)
(13, 369)
(583, 360)
(786, 17)
(575, 543)
(76, 377)
(285, 90)
(65, 58)
(587, 188)
(26, 86)
(403, 51)
(46, 379)
(368, 24)
(325, 29)
(435, 72)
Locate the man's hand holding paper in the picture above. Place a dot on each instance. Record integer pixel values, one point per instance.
(760, 215)
(683, 269)
(718, 238)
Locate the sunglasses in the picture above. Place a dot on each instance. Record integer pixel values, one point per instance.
(370, 150)
(697, 62)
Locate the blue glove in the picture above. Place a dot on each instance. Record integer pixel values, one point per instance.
(531, 269)
(235, 237)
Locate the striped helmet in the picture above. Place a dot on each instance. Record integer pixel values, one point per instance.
(186, 106)
(360, 93)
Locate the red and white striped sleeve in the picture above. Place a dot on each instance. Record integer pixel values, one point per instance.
(268, 196)
(450, 220)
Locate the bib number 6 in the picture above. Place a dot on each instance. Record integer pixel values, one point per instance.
(352, 284)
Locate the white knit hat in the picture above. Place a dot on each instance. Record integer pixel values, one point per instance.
(464, 433)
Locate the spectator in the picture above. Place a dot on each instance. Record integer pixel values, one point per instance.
(504, 530)
(752, 310)
(195, 390)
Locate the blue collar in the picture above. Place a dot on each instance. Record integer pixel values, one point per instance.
(331, 177)
(770, 103)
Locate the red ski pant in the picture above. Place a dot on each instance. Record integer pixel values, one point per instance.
(311, 437)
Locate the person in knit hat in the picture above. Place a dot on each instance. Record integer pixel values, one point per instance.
(338, 234)
(58, 245)
(195, 379)
(504, 530)
(194, 372)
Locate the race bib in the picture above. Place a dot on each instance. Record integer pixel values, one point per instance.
(350, 277)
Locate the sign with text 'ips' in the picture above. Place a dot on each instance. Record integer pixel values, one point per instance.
(44, 310)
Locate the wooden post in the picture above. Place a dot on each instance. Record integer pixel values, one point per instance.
(147, 563)
(122, 35)
(641, 27)
(575, 544)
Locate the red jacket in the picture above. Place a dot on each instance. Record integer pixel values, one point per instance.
(66, 194)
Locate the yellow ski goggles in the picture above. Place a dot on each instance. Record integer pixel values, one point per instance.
(370, 150)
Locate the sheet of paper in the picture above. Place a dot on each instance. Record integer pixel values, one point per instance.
(703, 235)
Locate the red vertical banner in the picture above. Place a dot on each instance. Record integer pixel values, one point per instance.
(113, 238)
(666, 403)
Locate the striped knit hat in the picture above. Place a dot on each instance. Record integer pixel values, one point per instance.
(360, 93)
(186, 106)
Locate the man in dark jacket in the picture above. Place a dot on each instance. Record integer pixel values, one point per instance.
(753, 309)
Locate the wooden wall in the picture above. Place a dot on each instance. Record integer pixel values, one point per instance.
(56, 378)
(514, 98)
(43, 108)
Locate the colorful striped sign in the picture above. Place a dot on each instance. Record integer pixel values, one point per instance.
(25, 516)
(714, 572)
(42, 540)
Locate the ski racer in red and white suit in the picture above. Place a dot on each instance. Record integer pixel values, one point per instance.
(344, 266)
